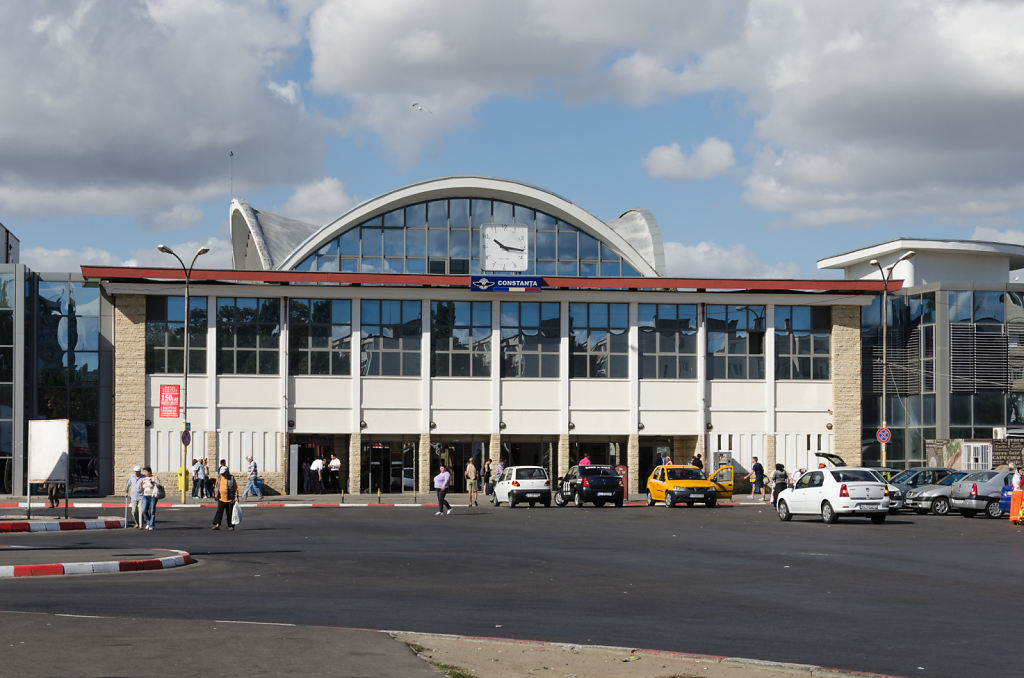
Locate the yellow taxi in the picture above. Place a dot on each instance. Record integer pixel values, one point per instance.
(688, 484)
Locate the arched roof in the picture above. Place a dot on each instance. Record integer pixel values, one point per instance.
(259, 240)
(634, 236)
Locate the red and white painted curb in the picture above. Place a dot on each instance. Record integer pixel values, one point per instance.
(59, 525)
(290, 504)
(99, 567)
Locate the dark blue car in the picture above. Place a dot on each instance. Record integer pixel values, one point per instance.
(1004, 498)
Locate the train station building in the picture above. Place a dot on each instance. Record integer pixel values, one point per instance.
(471, 317)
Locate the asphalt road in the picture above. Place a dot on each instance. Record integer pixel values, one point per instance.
(921, 596)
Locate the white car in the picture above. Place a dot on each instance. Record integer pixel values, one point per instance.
(832, 492)
(523, 483)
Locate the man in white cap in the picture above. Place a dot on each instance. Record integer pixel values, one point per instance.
(133, 491)
(252, 485)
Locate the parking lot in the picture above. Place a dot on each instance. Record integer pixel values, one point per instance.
(918, 595)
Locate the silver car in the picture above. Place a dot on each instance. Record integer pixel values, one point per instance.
(934, 497)
(980, 491)
(918, 477)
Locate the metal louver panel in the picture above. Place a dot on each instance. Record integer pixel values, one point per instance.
(1015, 355)
(990, 372)
(961, 358)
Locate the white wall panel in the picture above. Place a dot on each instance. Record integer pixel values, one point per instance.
(809, 396)
(461, 421)
(661, 395)
(197, 390)
(163, 453)
(670, 423)
(321, 392)
(249, 391)
(598, 394)
(253, 419)
(315, 420)
(530, 394)
(737, 395)
(398, 393)
(530, 422)
(455, 394)
(380, 421)
(235, 446)
(599, 423)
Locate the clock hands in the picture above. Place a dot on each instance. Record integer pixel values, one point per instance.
(507, 248)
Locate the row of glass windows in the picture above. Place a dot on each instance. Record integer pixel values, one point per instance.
(443, 237)
(320, 338)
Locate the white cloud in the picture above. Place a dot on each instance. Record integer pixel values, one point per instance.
(711, 158)
(130, 107)
(317, 203)
(1009, 235)
(177, 218)
(715, 261)
(287, 92)
(43, 259)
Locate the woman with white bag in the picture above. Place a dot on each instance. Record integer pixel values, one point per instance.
(224, 491)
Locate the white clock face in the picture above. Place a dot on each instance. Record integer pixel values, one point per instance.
(504, 247)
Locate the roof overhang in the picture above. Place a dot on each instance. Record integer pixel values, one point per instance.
(885, 250)
(100, 274)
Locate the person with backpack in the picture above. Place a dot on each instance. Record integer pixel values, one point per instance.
(224, 492)
(779, 480)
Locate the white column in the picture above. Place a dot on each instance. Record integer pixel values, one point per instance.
(212, 409)
(357, 375)
(495, 367)
(702, 379)
(770, 408)
(282, 370)
(634, 370)
(563, 368)
(425, 416)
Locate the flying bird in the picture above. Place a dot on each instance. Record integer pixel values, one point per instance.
(419, 107)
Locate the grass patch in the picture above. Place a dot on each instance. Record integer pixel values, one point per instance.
(418, 649)
(451, 671)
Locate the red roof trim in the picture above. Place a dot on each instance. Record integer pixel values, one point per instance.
(132, 274)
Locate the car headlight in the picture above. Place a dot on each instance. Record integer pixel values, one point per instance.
(912, 494)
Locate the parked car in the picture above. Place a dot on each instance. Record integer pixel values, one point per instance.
(829, 458)
(594, 483)
(688, 484)
(896, 498)
(919, 477)
(934, 497)
(832, 492)
(1006, 498)
(980, 491)
(523, 483)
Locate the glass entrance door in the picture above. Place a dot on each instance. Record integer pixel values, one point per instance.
(388, 466)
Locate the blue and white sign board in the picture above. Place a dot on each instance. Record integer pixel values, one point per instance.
(497, 283)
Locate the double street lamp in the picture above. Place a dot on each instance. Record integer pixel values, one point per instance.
(185, 433)
(886, 276)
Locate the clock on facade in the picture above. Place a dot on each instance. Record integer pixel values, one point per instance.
(504, 247)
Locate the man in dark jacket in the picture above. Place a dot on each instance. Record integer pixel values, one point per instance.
(224, 491)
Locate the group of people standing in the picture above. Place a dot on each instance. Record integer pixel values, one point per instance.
(320, 476)
(143, 489)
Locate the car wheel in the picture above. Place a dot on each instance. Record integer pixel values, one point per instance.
(921, 512)
(711, 503)
(560, 500)
(878, 518)
(992, 510)
(940, 505)
(511, 502)
(668, 500)
(967, 513)
(578, 500)
(784, 514)
(650, 499)
(494, 499)
(828, 514)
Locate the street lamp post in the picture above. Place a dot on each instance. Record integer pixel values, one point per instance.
(886, 276)
(184, 396)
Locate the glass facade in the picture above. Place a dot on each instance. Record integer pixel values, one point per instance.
(668, 341)
(320, 336)
(530, 332)
(392, 330)
(460, 339)
(735, 342)
(248, 334)
(8, 304)
(803, 342)
(443, 237)
(165, 335)
(598, 341)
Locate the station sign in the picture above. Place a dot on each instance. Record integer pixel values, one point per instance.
(497, 283)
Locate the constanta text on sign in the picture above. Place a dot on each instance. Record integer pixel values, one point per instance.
(170, 397)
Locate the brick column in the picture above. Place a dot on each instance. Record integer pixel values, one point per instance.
(494, 449)
(846, 395)
(129, 385)
(769, 452)
(563, 454)
(684, 448)
(211, 449)
(423, 453)
(633, 464)
(355, 450)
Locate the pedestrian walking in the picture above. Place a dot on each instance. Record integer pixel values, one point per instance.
(150, 489)
(471, 478)
(252, 484)
(780, 480)
(488, 483)
(53, 494)
(224, 491)
(441, 482)
(757, 476)
(133, 492)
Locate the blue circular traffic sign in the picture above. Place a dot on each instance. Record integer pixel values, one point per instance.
(883, 435)
(186, 438)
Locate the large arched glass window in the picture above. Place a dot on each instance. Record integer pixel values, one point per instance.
(443, 237)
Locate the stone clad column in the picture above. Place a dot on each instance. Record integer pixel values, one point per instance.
(423, 453)
(129, 385)
(563, 454)
(633, 464)
(355, 456)
(846, 396)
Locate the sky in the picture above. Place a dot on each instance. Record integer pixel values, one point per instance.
(762, 134)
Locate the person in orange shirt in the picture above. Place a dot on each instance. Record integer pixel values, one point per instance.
(224, 491)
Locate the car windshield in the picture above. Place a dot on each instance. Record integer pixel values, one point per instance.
(981, 476)
(904, 477)
(878, 476)
(598, 471)
(853, 476)
(684, 474)
(951, 478)
(531, 474)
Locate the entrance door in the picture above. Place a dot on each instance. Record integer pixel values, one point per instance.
(389, 466)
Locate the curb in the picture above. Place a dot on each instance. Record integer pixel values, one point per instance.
(98, 567)
(247, 505)
(59, 526)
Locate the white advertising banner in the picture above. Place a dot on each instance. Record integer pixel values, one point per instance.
(48, 450)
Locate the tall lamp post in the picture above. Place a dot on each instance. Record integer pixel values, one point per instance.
(886, 277)
(185, 439)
